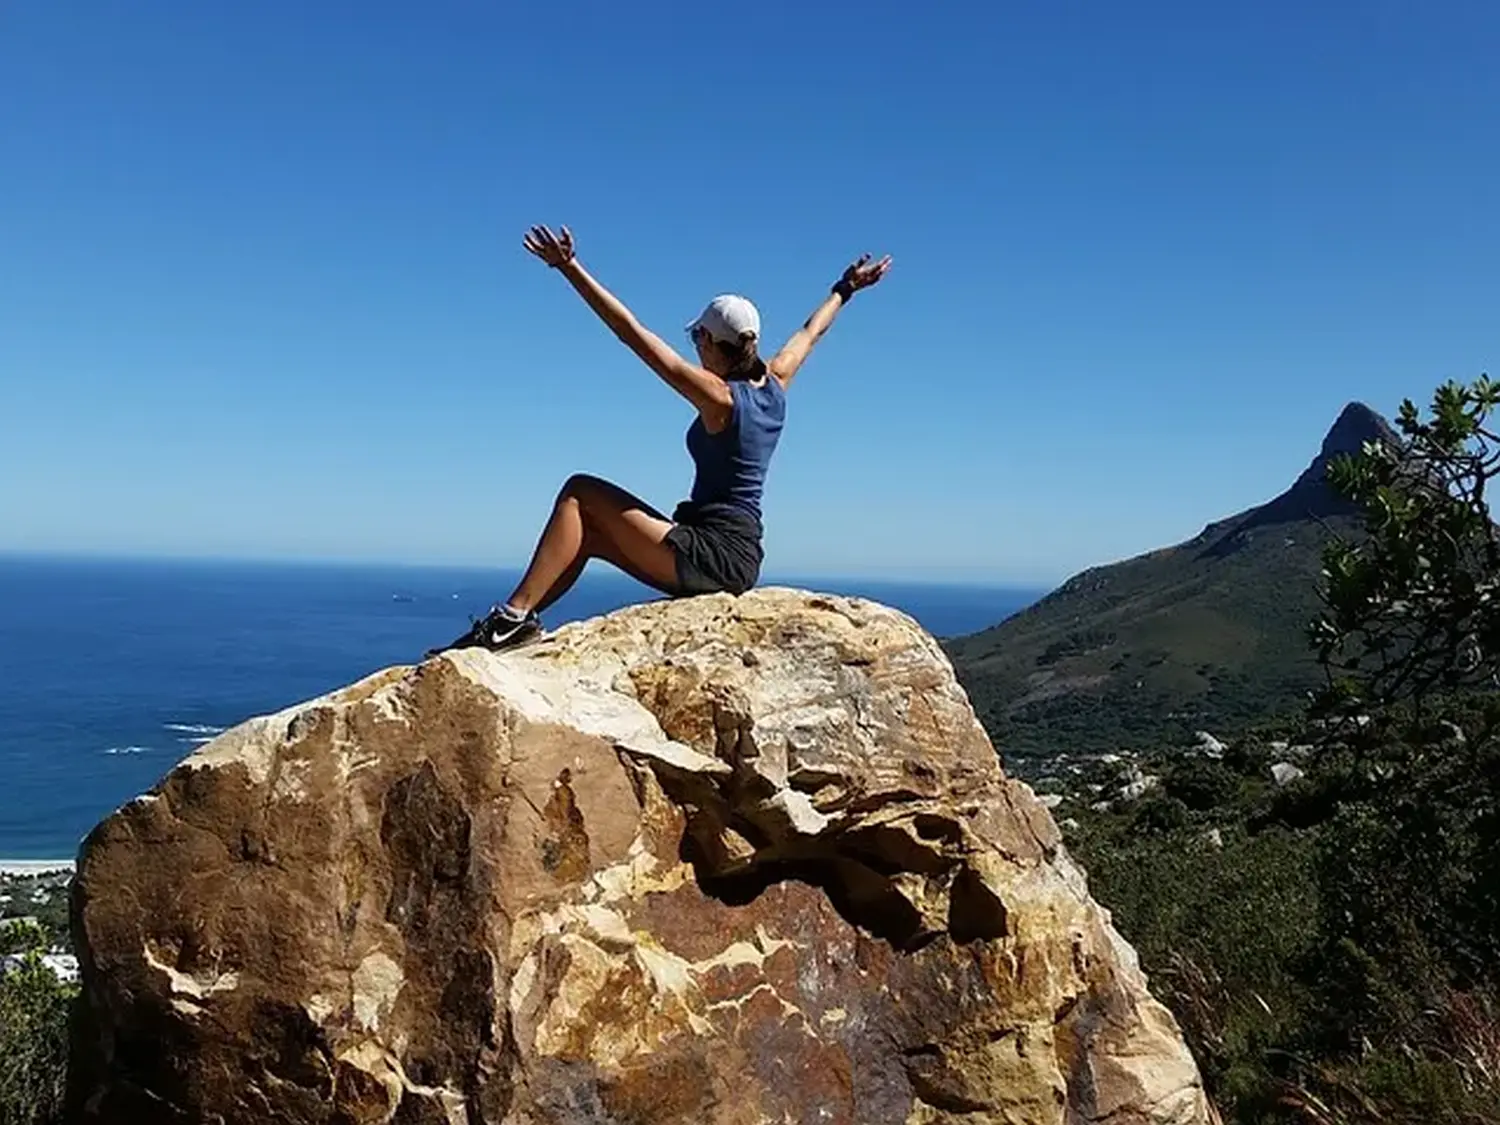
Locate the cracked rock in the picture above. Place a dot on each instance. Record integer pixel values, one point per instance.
(715, 860)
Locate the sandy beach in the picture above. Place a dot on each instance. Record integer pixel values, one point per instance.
(34, 866)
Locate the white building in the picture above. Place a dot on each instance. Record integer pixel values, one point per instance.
(64, 966)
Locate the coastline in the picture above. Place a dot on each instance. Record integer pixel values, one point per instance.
(27, 867)
(88, 754)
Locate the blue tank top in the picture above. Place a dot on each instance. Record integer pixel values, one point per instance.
(731, 464)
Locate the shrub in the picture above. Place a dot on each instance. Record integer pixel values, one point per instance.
(1202, 784)
(34, 1008)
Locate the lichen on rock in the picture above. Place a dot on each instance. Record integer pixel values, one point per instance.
(721, 860)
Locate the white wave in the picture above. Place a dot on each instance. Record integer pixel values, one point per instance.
(128, 750)
(200, 740)
(193, 728)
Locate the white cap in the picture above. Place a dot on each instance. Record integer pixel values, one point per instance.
(727, 319)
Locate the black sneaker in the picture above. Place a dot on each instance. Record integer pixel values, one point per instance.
(497, 630)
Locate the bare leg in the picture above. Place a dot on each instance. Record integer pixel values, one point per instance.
(593, 518)
(563, 584)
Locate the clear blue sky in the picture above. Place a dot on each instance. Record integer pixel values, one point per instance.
(262, 291)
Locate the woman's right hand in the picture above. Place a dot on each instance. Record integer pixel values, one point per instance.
(555, 250)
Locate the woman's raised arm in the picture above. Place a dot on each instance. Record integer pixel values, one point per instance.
(705, 390)
(860, 275)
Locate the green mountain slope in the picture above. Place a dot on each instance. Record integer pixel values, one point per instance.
(1206, 634)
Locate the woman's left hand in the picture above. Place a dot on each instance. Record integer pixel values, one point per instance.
(553, 249)
(865, 273)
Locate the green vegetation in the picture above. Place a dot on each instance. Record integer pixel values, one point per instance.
(1152, 649)
(1222, 929)
(1309, 952)
(42, 899)
(34, 1003)
(34, 1007)
(1207, 634)
(1331, 946)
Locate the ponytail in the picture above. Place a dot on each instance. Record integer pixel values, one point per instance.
(744, 358)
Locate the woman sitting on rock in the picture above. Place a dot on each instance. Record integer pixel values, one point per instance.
(713, 540)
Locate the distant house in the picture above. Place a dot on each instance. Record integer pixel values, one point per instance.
(64, 966)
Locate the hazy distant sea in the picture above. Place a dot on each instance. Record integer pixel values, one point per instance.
(112, 671)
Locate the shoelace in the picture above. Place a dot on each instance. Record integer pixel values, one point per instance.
(496, 613)
(480, 625)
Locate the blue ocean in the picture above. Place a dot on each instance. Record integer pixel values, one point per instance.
(113, 671)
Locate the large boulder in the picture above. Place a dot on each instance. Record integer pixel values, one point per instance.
(716, 860)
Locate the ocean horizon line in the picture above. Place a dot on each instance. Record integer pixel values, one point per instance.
(791, 576)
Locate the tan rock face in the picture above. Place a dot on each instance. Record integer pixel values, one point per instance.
(722, 860)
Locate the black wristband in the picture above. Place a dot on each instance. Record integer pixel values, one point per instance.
(844, 289)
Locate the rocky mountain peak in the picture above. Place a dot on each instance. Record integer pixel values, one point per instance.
(1355, 425)
(1310, 496)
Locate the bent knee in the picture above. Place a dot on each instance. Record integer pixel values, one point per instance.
(585, 482)
(581, 486)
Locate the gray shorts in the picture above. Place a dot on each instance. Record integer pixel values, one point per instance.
(718, 547)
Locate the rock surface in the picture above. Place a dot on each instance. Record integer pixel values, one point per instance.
(1210, 746)
(718, 860)
(1284, 773)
